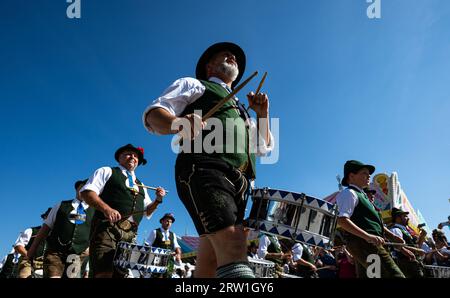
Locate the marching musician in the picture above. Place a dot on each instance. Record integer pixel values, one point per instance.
(166, 239)
(303, 261)
(120, 201)
(362, 225)
(269, 248)
(28, 249)
(407, 258)
(212, 183)
(66, 231)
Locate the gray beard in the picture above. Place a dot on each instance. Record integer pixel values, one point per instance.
(229, 70)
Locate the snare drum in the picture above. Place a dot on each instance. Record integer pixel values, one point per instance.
(262, 268)
(437, 271)
(293, 216)
(145, 259)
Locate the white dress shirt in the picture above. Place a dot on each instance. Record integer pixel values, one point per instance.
(165, 233)
(51, 218)
(24, 238)
(397, 230)
(297, 251)
(347, 200)
(264, 243)
(187, 90)
(97, 182)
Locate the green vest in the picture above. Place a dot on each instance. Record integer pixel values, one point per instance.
(365, 216)
(274, 247)
(40, 249)
(170, 244)
(237, 156)
(306, 254)
(406, 235)
(66, 236)
(118, 196)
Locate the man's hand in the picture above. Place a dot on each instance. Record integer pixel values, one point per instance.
(397, 239)
(408, 254)
(189, 126)
(312, 267)
(160, 193)
(375, 240)
(259, 103)
(112, 214)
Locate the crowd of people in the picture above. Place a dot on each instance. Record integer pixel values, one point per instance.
(80, 237)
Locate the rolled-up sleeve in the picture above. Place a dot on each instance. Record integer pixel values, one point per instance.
(175, 99)
(97, 181)
(147, 202)
(151, 238)
(297, 251)
(346, 201)
(51, 218)
(263, 245)
(258, 142)
(24, 238)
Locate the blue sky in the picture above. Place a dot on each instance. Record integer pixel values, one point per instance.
(343, 86)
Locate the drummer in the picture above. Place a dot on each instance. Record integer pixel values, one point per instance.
(23, 246)
(362, 225)
(303, 261)
(212, 182)
(166, 239)
(119, 201)
(407, 258)
(66, 232)
(269, 248)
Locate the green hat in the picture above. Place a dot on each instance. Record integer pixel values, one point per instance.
(200, 71)
(353, 166)
(396, 212)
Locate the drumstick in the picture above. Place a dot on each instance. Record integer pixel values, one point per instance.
(259, 87)
(223, 101)
(324, 267)
(149, 187)
(399, 244)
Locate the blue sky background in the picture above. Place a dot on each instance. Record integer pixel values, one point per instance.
(343, 86)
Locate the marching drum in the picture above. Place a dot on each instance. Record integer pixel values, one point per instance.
(437, 271)
(142, 258)
(262, 268)
(293, 216)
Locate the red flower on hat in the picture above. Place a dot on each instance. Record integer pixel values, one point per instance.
(141, 149)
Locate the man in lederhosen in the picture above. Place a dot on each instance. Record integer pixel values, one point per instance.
(212, 181)
(363, 226)
(23, 245)
(269, 248)
(166, 239)
(407, 258)
(120, 201)
(66, 231)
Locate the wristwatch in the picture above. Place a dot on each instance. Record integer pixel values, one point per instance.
(158, 200)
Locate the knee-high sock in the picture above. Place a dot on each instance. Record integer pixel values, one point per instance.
(235, 270)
